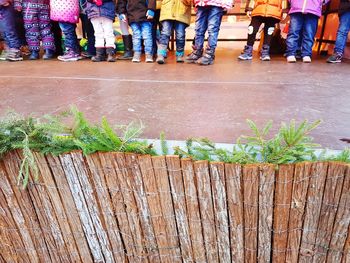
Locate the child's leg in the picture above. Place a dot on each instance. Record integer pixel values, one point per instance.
(201, 27)
(253, 29)
(97, 23)
(46, 28)
(146, 29)
(309, 32)
(295, 30)
(71, 39)
(342, 34)
(269, 28)
(124, 27)
(136, 37)
(214, 23)
(180, 31)
(167, 27)
(108, 34)
(31, 24)
(90, 34)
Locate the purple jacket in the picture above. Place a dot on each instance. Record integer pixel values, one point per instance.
(307, 6)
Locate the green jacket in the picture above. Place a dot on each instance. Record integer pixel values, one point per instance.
(178, 10)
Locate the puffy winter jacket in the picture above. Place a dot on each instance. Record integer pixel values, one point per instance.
(64, 10)
(107, 9)
(179, 10)
(135, 9)
(307, 6)
(226, 4)
(344, 6)
(267, 8)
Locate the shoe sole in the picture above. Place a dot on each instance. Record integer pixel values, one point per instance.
(334, 62)
(291, 61)
(265, 59)
(249, 58)
(306, 62)
(135, 61)
(161, 62)
(68, 60)
(14, 60)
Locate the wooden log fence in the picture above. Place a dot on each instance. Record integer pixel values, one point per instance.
(121, 207)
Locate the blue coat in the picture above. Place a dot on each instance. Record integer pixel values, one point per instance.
(107, 10)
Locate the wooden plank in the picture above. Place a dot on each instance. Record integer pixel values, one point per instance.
(78, 194)
(346, 250)
(297, 210)
(342, 221)
(119, 207)
(251, 201)
(158, 220)
(70, 209)
(266, 194)
(218, 182)
(166, 203)
(193, 212)
(127, 188)
(178, 194)
(104, 200)
(331, 197)
(313, 208)
(23, 212)
(206, 205)
(235, 209)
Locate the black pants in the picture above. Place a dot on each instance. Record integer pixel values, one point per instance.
(254, 26)
(89, 33)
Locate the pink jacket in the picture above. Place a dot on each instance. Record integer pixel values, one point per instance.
(64, 10)
(226, 4)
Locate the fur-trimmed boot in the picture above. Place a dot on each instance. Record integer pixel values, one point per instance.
(100, 55)
(194, 55)
(110, 54)
(207, 58)
(161, 54)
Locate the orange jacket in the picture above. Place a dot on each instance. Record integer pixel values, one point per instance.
(267, 8)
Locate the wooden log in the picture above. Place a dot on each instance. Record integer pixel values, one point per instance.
(178, 194)
(23, 212)
(313, 208)
(69, 207)
(104, 200)
(251, 205)
(331, 197)
(235, 209)
(266, 194)
(166, 203)
(297, 210)
(283, 197)
(143, 207)
(218, 182)
(193, 213)
(342, 221)
(206, 205)
(127, 188)
(346, 250)
(78, 194)
(157, 218)
(119, 207)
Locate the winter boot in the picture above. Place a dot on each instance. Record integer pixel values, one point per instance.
(100, 55)
(207, 58)
(180, 57)
(265, 53)
(194, 56)
(34, 55)
(110, 54)
(127, 40)
(161, 54)
(49, 54)
(247, 53)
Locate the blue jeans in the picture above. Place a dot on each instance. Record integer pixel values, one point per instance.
(342, 34)
(208, 18)
(301, 26)
(71, 39)
(180, 32)
(8, 28)
(142, 30)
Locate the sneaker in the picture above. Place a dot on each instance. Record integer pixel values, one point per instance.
(137, 57)
(291, 59)
(3, 55)
(247, 53)
(335, 58)
(14, 54)
(69, 56)
(194, 56)
(307, 59)
(180, 57)
(160, 59)
(149, 58)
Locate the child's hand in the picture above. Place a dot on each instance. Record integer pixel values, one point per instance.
(122, 17)
(149, 14)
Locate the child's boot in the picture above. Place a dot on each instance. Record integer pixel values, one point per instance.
(247, 53)
(110, 54)
(161, 54)
(127, 40)
(136, 57)
(34, 55)
(207, 58)
(180, 57)
(265, 53)
(194, 56)
(100, 55)
(49, 54)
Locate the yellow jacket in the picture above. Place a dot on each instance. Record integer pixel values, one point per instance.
(267, 8)
(179, 10)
